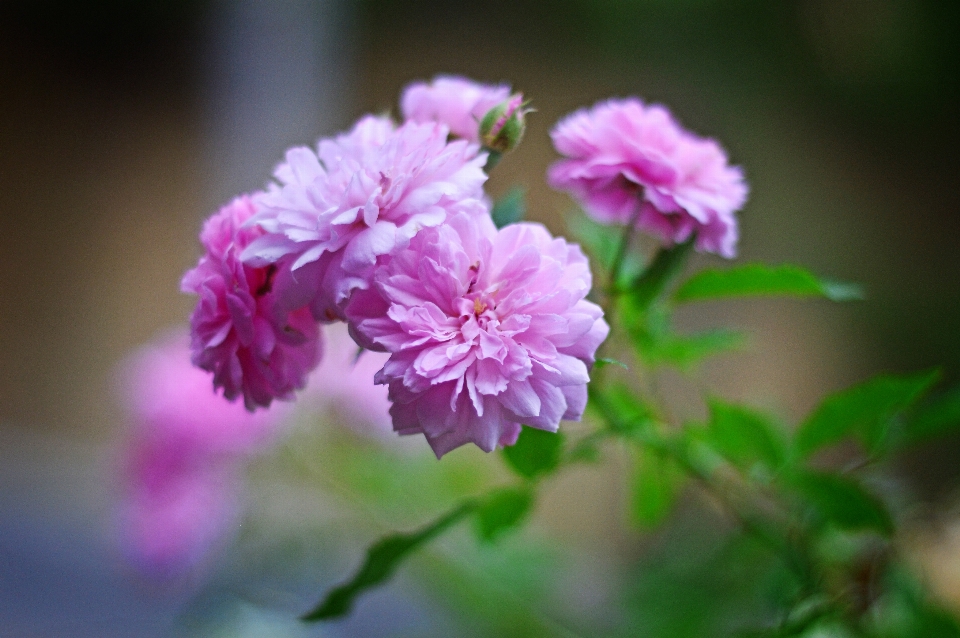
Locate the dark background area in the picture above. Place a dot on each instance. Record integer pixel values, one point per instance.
(845, 115)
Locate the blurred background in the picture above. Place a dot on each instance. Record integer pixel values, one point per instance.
(124, 123)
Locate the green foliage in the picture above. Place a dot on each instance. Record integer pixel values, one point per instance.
(382, 561)
(864, 411)
(535, 453)
(703, 579)
(905, 610)
(746, 437)
(603, 362)
(510, 208)
(935, 418)
(662, 271)
(602, 242)
(625, 413)
(843, 502)
(758, 280)
(657, 344)
(684, 352)
(815, 529)
(502, 511)
(657, 481)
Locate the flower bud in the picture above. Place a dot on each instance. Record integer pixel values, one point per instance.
(502, 128)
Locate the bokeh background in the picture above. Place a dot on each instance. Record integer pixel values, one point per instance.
(124, 123)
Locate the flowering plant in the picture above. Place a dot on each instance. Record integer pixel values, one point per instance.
(489, 330)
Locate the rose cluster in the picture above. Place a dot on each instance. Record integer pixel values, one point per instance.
(387, 228)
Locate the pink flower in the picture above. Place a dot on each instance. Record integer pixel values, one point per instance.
(362, 195)
(452, 100)
(629, 159)
(183, 460)
(344, 381)
(242, 332)
(486, 330)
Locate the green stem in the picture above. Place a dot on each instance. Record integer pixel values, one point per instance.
(617, 265)
(780, 544)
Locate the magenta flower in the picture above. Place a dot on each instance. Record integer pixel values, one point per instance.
(362, 195)
(628, 159)
(452, 100)
(242, 331)
(486, 330)
(182, 468)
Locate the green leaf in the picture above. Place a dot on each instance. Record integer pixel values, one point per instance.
(745, 437)
(511, 208)
(536, 452)
(502, 511)
(759, 280)
(664, 268)
(603, 362)
(843, 502)
(863, 411)
(382, 561)
(625, 412)
(656, 484)
(686, 352)
(937, 417)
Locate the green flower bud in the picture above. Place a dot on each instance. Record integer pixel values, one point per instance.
(502, 128)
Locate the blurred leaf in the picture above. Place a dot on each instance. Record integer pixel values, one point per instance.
(601, 242)
(510, 208)
(685, 352)
(863, 411)
(501, 511)
(535, 452)
(624, 411)
(603, 362)
(382, 561)
(907, 610)
(936, 418)
(657, 344)
(656, 483)
(664, 268)
(744, 436)
(844, 502)
(759, 280)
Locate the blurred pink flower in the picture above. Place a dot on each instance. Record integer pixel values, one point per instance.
(183, 459)
(242, 332)
(344, 381)
(455, 101)
(175, 515)
(626, 159)
(486, 330)
(362, 195)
